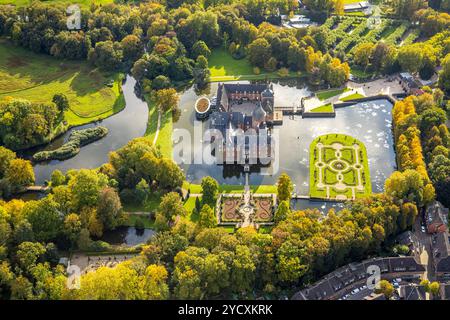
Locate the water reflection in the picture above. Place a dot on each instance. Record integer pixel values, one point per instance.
(129, 236)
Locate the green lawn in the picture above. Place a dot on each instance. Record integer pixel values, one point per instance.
(352, 97)
(325, 108)
(224, 67)
(326, 94)
(357, 72)
(330, 175)
(82, 3)
(37, 78)
(132, 218)
(150, 205)
(196, 188)
(164, 140)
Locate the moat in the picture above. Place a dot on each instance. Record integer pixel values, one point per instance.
(370, 122)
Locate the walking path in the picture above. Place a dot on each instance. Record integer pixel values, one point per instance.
(376, 87)
(157, 128)
(247, 210)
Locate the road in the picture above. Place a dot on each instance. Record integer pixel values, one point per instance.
(426, 252)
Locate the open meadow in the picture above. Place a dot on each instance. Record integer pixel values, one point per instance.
(37, 78)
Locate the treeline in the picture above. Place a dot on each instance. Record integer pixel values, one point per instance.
(420, 129)
(177, 40)
(189, 260)
(24, 124)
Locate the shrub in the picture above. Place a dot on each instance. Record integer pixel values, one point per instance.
(256, 70)
(283, 72)
(139, 224)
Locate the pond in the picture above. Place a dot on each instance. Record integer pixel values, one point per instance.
(370, 122)
(129, 236)
(124, 126)
(322, 206)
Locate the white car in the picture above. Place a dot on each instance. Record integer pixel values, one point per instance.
(423, 229)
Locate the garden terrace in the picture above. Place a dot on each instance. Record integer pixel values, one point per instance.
(338, 168)
(229, 208)
(264, 205)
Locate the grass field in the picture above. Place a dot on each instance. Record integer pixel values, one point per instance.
(338, 170)
(82, 3)
(196, 188)
(326, 94)
(164, 140)
(132, 218)
(224, 67)
(352, 97)
(325, 108)
(37, 78)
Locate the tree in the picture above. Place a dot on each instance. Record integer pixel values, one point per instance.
(410, 58)
(169, 175)
(6, 156)
(210, 189)
(290, 266)
(171, 206)
(282, 212)
(63, 197)
(166, 99)
(242, 270)
(109, 208)
(23, 232)
(386, 288)
(207, 217)
(121, 282)
(44, 218)
(72, 227)
(382, 57)
(362, 54)
(200, 49)
(106, 55)
(57, 178)
(84, 241)
(444, 75)
(259, 52)
(28, 254)
(20, 174)
(61, 101)
(155, 283)
(284, 187)
(132, 48)
(85, 186)
(142, 191)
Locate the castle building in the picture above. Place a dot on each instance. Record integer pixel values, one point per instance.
(244, 116)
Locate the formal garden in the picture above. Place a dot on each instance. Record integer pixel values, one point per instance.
(232, 208)
(339, 168)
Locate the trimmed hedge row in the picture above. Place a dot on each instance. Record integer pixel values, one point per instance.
(77, 139)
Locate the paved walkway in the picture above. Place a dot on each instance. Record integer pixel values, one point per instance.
(376, 87)
(157, 128)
